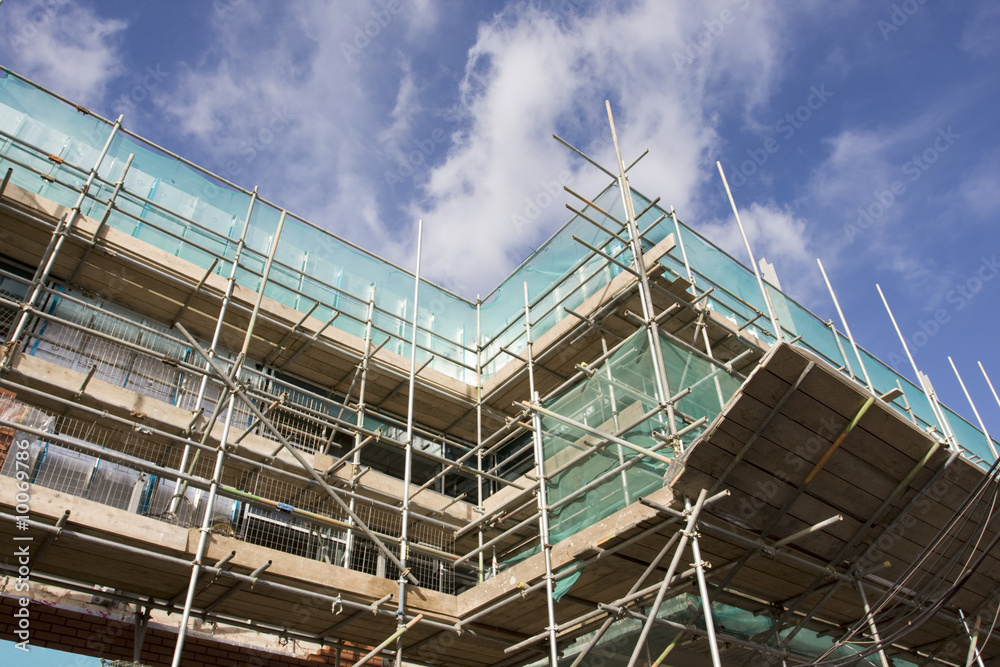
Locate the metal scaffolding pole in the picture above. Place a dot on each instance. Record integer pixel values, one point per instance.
(479, 430)
(317, 477)
(204, 532)
(706, 601)
(614, 418)
(45, 266)
(989, 382)
(543, 502)
(408, 462)
(638, 261)
(359, 442)
(921, 378)
(686, 534)
(847, 329)
(213, 347)
(206, 524)
(871, 623)
(982, 426)
(753, 262)
(974, 654)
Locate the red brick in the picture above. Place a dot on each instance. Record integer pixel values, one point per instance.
(83, 625)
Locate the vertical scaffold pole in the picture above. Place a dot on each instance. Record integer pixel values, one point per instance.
(973, 655)
(360, 419)
(48, 261)
(680, 242)
(206, 523)
(847, 329)
(543, 501)
(871, 621)
(614, 416)
(706, 601)
(989, 382)
(179, 486)
(753, 261)
(686, 534)
(982, 426)
(928, 392)
(639, 264)
(205, 531)
(225, 304)
(479, 424)
(408, 463)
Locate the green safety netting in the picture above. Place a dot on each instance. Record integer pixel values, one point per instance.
(617, 398)
(616, 645)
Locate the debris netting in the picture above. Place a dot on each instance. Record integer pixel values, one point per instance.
(618, 398)
(616, 645)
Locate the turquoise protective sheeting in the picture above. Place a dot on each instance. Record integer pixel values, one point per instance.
(562, 586)
(616, 646)
(559, 262)
(189, 213)
(614, 399)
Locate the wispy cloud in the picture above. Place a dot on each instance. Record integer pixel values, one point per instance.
(533, 71)
(67, 46)
(362, 125)
(981, 33)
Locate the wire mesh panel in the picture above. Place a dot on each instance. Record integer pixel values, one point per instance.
(81, 458)
(113, 361)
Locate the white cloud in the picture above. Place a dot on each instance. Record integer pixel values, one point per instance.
(980, 33)
(65, 46)
(777, 234)
(294, 116)
(978, 189)
(531, 72)
(358, 105)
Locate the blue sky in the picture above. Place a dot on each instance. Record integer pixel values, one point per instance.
(863, 133)
(42, 657)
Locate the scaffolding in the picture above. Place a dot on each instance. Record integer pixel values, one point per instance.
(511, 480)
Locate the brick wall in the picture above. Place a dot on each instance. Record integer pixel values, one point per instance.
(112, 638)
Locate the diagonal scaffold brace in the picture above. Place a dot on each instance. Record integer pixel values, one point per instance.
(240, 392)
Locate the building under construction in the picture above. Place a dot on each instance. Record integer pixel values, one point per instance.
(230, 437)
